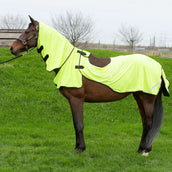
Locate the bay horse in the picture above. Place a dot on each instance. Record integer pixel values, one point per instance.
(150, 106)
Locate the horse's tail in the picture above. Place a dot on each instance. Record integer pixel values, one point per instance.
(157, 119)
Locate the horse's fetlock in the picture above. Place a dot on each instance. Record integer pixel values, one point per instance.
(148, 149)
(80, 148)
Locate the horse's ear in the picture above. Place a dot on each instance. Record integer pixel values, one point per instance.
(32, 20)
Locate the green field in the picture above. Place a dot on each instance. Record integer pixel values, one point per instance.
(37, 134)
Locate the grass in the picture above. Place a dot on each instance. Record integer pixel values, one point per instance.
(36, 129)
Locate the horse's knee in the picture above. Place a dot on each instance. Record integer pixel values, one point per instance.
(79, 126)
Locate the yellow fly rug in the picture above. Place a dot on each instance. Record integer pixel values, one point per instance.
(128, 73)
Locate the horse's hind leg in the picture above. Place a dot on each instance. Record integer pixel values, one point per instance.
(146, 107)
(145, 131)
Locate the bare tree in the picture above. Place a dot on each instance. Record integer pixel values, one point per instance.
(130, 35)
(74, 26)
(12, 22)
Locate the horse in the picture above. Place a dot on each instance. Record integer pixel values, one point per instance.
(149, 105)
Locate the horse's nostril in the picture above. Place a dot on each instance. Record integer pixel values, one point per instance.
(13, 50)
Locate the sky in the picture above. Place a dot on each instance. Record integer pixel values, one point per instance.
(153, 18)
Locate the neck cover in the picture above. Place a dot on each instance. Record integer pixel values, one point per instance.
(61, 54)
(128, 73)
(56, 46)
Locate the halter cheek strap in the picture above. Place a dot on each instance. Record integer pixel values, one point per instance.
(28, 39)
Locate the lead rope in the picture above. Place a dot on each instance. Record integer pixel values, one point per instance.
(16, 56)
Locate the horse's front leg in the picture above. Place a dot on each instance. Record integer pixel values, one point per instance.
(76, 105)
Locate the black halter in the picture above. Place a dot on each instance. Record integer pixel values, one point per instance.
(25, 45)
(35, 35)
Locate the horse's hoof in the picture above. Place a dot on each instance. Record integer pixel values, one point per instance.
(80, 150)
(145, 153)
(140, 150)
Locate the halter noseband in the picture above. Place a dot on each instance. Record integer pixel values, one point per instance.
(28, 39)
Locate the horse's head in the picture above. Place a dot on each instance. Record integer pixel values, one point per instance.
(27, 39)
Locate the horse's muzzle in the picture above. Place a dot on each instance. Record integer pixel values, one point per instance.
(14, 52)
